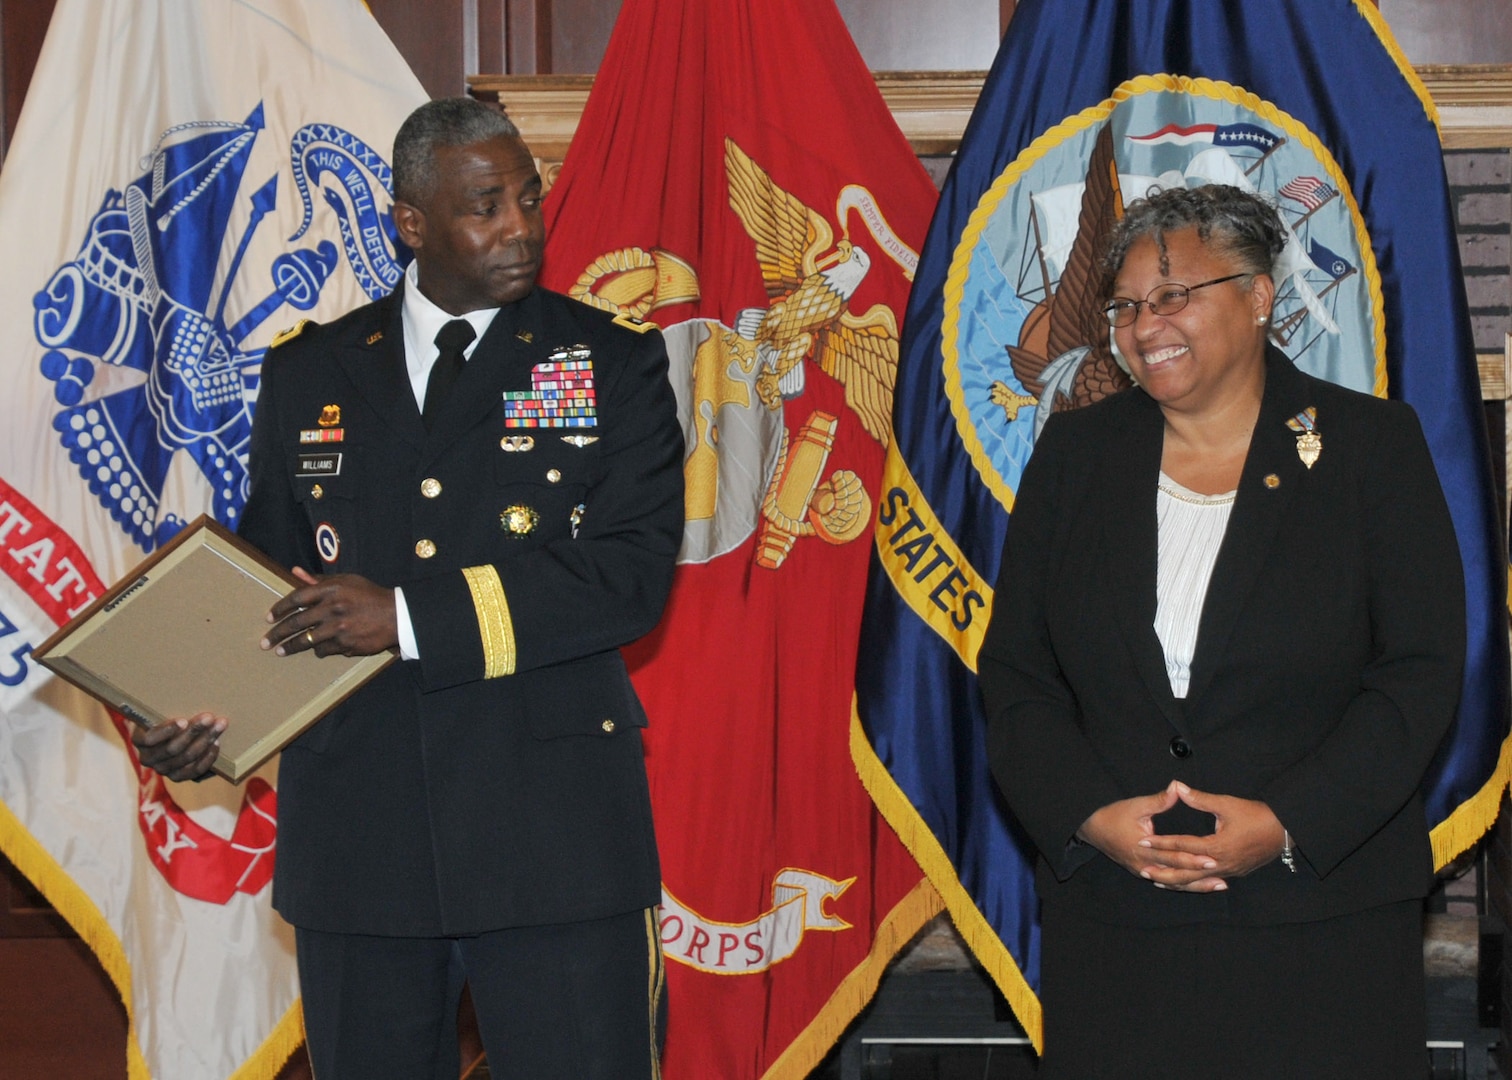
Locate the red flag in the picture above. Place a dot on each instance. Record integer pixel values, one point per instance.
(738, 180)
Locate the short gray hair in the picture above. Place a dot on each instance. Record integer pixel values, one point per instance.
(458, 121)
(1238, 223)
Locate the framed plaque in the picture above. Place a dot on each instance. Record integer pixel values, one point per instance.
(179, 635)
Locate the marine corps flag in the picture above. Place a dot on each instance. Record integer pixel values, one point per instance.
(186, 179)
(738, 181)
(1090, 104)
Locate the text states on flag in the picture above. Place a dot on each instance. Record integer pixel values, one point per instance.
(798, 905)
(926, 565)
(43, 560)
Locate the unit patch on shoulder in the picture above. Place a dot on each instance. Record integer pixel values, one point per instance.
(630, 322)
(290, 334)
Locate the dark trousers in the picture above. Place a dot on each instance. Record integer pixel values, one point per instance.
(1343, 997)
(576, 1001)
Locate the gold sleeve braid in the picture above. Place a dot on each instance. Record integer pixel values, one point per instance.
(494, 625)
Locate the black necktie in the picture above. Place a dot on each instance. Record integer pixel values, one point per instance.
(454, 337)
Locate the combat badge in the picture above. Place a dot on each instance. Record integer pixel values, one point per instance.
(516, 444)
(519, 520)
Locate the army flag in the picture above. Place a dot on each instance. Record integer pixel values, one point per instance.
(1089, 104)
(737, 180)
(185, 180)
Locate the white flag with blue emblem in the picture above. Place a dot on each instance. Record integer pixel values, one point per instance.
(185, 181)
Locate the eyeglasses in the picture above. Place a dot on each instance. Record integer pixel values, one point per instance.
(1163, 300)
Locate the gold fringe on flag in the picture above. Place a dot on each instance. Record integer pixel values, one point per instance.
(921, 842)
(81, 913)
(805, 1052)
(1472, 818)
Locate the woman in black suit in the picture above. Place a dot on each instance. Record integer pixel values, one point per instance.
(1227, 641)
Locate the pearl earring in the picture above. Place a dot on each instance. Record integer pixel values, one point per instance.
(1262, 320)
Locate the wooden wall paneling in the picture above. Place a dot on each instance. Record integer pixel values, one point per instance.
(490, 25)
(932, 107)
(1451, 31)
(24, 913)
(23, 26)
(527, 37)
(905, 35)
(432, 38)
(579, 34)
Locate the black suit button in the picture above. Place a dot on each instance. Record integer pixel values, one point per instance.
(1180, 748)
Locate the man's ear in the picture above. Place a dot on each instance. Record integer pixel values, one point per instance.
(409, 220)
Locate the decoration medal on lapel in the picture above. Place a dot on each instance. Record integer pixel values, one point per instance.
(1309, 441)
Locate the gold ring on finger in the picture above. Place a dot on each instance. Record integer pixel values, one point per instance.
(309, 639)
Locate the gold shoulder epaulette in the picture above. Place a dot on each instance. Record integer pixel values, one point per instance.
(290, 334)
(630, 322)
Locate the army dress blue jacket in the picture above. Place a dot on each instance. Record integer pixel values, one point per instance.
(497, 781)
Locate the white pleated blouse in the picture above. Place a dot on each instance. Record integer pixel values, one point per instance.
(1190, 531)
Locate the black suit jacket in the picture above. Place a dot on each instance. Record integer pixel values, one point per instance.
(438, 800)
(1327, 666)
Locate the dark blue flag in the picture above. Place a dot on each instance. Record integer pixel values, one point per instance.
(1089, 104)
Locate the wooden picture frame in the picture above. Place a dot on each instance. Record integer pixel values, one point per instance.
(178, 636)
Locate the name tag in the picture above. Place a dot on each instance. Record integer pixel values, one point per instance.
(319, 465)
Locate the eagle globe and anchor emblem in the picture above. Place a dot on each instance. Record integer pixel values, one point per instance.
(149, 371)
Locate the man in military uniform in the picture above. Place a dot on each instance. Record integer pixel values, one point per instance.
(487, 477)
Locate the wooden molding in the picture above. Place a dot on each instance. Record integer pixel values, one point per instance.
(932, 107)
(1474, 103)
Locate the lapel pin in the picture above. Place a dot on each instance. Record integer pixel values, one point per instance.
(526, 336)
(1309, 441)
(1272, 481)
(330, 416)
(375, 337)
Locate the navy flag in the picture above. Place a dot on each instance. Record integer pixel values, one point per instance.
(1090, 104)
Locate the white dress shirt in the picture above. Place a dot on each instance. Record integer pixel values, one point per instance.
(1190, 530)
(423, 320)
